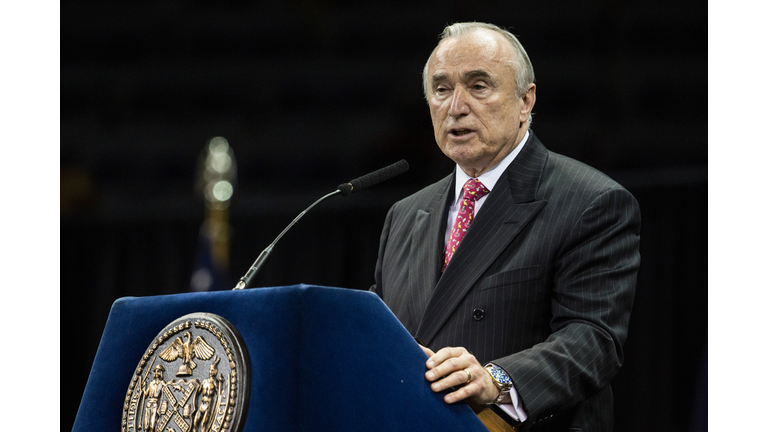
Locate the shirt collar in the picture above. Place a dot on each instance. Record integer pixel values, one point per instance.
(490, 177)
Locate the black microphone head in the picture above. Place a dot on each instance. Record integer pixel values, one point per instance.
(345, 188)
(399, 167)
(373, 178)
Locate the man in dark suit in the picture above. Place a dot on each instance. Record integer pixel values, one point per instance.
(517, 271)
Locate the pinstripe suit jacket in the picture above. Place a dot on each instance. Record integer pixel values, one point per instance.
(542, 284)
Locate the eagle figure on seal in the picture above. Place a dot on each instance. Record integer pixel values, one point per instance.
(187, 350)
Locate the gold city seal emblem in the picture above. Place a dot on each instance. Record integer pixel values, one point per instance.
(194, 377)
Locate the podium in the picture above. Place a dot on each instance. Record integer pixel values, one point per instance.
(321, 359)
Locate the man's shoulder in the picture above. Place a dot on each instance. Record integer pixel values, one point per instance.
(564, 178)
(554, 168)
(426, 197)
(563, 170)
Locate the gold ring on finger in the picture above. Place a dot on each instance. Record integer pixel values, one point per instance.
(469, 376)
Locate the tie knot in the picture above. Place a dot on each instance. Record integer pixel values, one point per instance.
(474, 190)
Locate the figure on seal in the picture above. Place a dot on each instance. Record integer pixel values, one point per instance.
(152, 393)
(208, 389)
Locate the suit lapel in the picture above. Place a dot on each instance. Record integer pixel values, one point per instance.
(509, 208)
(426, 243)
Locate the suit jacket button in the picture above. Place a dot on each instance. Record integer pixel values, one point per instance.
(478, 314)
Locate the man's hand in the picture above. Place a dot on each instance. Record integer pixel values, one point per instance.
(427, 351)
(451, 367)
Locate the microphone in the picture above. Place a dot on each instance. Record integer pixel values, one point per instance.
(373, 178)
(344, 189)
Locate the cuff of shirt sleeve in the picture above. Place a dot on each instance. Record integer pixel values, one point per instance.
(514, 409)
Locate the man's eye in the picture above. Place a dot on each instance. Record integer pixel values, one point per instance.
(478, 87)
(441, 90)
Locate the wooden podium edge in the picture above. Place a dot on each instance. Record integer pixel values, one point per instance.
(493, 422)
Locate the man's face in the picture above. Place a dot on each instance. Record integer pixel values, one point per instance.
(476, 116)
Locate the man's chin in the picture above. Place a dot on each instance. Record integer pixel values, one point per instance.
(473, 166)
(459, 159)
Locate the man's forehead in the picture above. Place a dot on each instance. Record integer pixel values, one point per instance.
(480, 47)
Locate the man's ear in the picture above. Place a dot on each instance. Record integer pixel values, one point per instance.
(529, 100)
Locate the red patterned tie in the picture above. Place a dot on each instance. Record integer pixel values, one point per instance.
(473, 191)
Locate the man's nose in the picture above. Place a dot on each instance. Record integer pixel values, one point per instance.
(459, 106)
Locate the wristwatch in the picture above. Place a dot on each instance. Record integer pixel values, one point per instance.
(501, 379)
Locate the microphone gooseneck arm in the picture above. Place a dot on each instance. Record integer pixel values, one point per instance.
(344, 189)
(264, 255)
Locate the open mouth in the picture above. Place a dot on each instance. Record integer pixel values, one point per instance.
(460, 132)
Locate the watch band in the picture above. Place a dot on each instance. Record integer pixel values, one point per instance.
(498, 400)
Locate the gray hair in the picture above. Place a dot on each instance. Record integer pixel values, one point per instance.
(520, 63)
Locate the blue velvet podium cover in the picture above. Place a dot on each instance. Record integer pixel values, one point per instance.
(322, 359)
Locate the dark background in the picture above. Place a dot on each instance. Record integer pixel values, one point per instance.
(310, 94)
